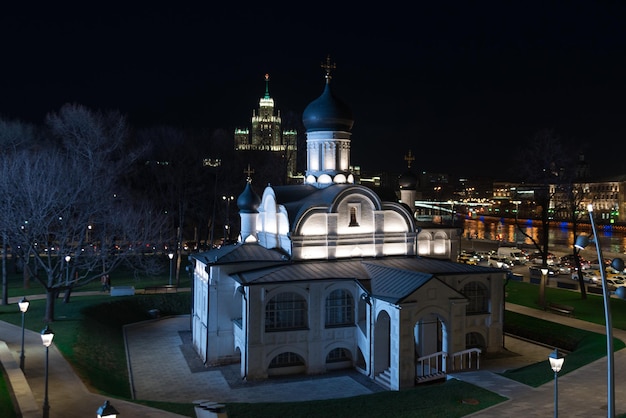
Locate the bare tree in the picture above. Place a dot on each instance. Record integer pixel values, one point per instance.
(544, 166)
(575, 195)
(67, 201)
(13, 135)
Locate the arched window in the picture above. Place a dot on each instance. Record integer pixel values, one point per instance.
(287, 359)
(478, 298)
(353, 220)
(339, 309)
(337, 355)
(474, 340)
(285, 311)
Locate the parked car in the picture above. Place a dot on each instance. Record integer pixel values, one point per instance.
(570, 261)
(500, 262)
(563, 268)
(536, 271)
(589, 276)
(536, 258)
(615, 282)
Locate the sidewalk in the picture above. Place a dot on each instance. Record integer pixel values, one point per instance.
(163, 366)
(582, 393)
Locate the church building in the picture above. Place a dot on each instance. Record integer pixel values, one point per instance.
(325, 276)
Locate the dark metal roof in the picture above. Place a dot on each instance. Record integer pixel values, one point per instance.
(240, 253)
(432, 265)
(391, 278)
(305, 271)
(327, 113)
(394, 285)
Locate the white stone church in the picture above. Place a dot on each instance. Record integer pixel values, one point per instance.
(327, 276)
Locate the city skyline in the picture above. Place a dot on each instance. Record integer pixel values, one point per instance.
(461, 86)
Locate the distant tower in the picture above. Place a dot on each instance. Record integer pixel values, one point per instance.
(328, 122)
(267, 134)
(408, 184)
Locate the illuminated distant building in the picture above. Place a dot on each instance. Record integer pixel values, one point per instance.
(266, 133)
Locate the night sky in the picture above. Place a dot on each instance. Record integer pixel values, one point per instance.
(462, 84)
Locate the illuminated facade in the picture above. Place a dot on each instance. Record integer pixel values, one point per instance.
(267, 134)
(327, 276)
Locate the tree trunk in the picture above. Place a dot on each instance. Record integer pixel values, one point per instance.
(66, 296)
(51, 296)
(5, 286)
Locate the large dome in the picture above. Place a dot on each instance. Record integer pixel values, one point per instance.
(327, 113)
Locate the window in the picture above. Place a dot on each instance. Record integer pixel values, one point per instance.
(285, 311)
(474, 340)
(355, 214)
(478, 298)
(287, 359)
(337, 355)
(339, 308)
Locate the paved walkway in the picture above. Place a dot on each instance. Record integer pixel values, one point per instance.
(164, 366)
(582, 393)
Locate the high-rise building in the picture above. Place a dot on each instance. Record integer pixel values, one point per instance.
(266, 133)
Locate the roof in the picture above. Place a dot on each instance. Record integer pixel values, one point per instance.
(327, 113)
(391, 279)
(394, 285)
(240, 253)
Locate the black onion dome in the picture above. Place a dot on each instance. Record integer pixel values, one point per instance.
(407, 181)
(248, 201)
(327, 113)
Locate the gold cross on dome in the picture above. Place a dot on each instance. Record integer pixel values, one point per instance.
(327, 66)
(409, 158)
(248, 171)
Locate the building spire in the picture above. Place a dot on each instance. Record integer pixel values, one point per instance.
(267, 86)
(327, 66)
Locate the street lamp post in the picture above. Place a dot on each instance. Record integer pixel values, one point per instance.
(46, 338)
(581, 242)
(107, 411)
(227, 199)
(542, 287)
(67, 269)
(23, 304)
(556, 362)
(171, 256)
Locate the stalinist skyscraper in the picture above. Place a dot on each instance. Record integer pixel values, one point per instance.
(267, 134)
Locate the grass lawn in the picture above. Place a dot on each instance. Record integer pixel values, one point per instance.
(93, 324)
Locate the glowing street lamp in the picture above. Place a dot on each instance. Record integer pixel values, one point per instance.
(46, 338)
(23, 304)
(556, 362)
(171, 256)
(67, 269)
(107, 411)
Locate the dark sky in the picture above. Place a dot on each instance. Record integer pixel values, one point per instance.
(462, 84)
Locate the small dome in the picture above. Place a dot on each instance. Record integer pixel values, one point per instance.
(407, 181)
(248, 201)
(327, 113)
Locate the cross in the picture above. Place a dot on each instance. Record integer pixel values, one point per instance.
(248, 171)
(409, 158)
(328, 66)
